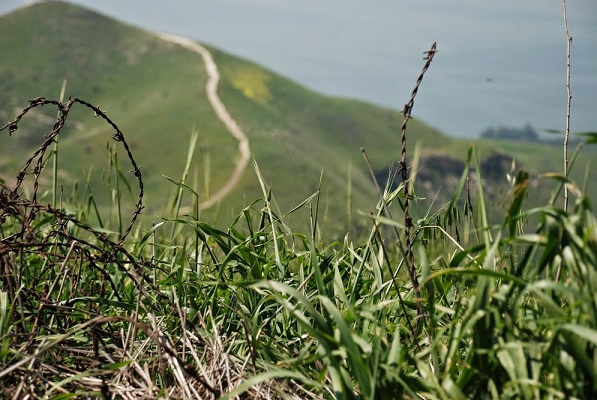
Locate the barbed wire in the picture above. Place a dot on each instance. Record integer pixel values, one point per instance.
(408, 223)
(63, 110)
(65, 244)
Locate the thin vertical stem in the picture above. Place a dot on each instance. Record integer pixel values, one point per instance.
(55, 153)
(569, 100)
(567, 131)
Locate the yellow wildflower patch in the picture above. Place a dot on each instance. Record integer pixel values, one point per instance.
(252, 82)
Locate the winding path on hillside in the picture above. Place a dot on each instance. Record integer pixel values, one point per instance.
(221, 112)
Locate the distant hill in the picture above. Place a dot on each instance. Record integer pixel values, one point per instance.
(154, 90)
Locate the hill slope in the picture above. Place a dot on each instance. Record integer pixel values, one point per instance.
(154, 90)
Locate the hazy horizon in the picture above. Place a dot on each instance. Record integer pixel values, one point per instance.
(498, 64)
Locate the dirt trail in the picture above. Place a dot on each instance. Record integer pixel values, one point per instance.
(221, 112)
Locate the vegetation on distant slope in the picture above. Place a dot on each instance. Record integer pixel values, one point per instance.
(154, 88)
(156, 92)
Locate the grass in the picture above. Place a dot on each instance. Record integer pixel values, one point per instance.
(263, 311)
(182, 309)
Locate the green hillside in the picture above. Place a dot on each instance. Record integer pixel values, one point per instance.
(154, 91)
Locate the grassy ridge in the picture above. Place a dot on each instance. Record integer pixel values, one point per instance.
(155, 90)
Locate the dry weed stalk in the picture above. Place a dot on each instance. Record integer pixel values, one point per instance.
(567, 131)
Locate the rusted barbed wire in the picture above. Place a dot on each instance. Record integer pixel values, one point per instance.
(408, 223)
(14, 204)
(63, 109)
(64, 245)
